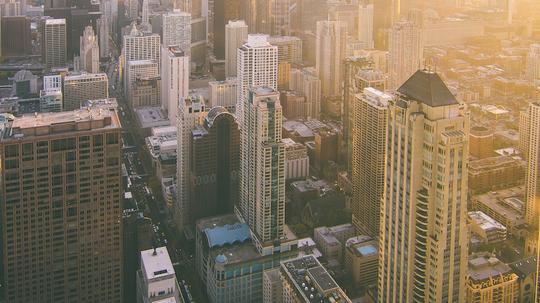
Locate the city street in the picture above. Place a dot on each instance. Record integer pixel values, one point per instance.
(151, 203)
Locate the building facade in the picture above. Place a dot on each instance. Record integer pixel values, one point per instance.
(236, 33)
(54, 43)
(405, 52)
(330, 53)
(369, 159)
(62, 173)
(215, 152)
(425, 200)
(175, 69)
(83, 87)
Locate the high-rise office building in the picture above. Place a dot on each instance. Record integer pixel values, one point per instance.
(156, 279)
(257, 66)
(83, 87)
(289, 48)
(190, 112)
(89, 55)
(306, 81)
(141, 45)
(174, 79)
(423, 234)
(365, 25)
(405, 52)
(138, 70)
(281, 17)
(532, 181)
(330, 53)
(368, 159)
(225, 11)
(532, 68)
(236, 33)
(16, 36)
(176, 29)
(385, 13)
(54, 43)
(262, 158)
(215, 163)
(104, 30)
(61, 210)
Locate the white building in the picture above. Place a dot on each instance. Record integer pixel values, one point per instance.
(176, 28)
(174, 79)
(89, 51)
(223, 93)
(262, 158)
(331, 44)
(406, 52)
(257, 66)
(156, 279)
(365, 25)
(236, 33)
(190, 113)
(52, 82)
(140, 45)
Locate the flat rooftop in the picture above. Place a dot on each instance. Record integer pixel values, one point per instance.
(42, 124)
(312, 280)
(484, 221)
(156, 263)
(483, 268)
(151, 117)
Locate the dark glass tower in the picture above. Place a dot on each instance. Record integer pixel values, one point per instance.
(215, 164)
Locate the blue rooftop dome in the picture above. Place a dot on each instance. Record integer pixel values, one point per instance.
(221, 259)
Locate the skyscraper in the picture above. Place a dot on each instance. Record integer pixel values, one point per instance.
(89, 55)
(174, 79)
(368, 159)
(141, 45)
(216, 160)
(156, 278)
(262, 158)
(176, 28)
(532, 182)
(405, 52)
(330, 53)
(365, 25)
(61, 207)
(225, 11)
(15, 36)
(236, 33)
(532, 69)
(190, 113)
(423, 233)
(257, 66)
(54, 43)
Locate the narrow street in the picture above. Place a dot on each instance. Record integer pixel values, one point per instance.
(141, 175)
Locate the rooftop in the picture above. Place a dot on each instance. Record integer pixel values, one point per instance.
(55, 21)
(427, 87)
(312, 280)
(227, 234)
(40, 124)
(484, 221)
(156, 263)
(486, 267)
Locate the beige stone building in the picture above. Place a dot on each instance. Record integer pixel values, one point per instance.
(61, 212)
